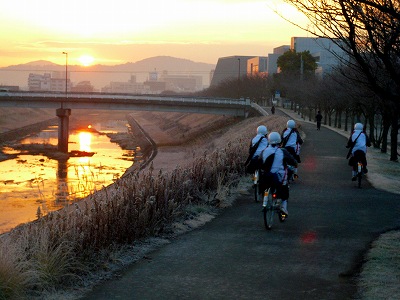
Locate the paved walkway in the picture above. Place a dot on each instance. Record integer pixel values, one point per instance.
(313, 255)
(384, 174)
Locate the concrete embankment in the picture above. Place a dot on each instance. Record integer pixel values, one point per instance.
(26, 130)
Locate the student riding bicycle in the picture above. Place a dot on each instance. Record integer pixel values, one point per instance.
(292, 141)
(274, 169)
(358, 142)
(257, 144)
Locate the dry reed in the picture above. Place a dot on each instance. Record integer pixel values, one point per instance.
(54, 248)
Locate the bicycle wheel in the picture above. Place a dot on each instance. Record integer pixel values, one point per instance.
(359, 174)
(256, 192)
(256, 186)
(269, 211)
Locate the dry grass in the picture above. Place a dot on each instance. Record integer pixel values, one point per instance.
(380, 276)
(13, 271)
(58, 250)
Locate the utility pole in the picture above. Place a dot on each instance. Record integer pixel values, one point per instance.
(66, 77)
(239, 78)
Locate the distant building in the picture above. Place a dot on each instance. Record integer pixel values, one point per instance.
(324, 50)
(257, 65)
(49, 82)
(155, 87)
(230, 68)
(272, 67)
(211, 75)
(128, 87)
(83, 87)
(157, 83)
(181, 83)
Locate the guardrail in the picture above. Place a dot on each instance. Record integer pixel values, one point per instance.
(221, 106)
(71, 96)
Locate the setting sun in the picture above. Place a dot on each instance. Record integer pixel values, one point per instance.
(86, 60)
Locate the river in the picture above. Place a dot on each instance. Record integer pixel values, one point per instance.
(33, 185)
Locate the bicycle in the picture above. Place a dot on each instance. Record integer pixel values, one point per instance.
(256, 185)
(272, 206)
(359, 173)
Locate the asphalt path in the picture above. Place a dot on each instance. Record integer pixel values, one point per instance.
(314, 254)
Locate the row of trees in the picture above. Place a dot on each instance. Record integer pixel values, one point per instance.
(368, 31)
(364, 87)
(342, 101)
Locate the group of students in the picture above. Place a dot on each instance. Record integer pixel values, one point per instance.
(272, 154)
(277, 156)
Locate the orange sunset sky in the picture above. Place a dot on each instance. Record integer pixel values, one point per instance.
(120, 31)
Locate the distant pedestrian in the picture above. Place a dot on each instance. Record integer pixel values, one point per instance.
(318, 117)
(273, 109)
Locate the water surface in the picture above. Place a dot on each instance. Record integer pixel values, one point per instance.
(35, 184)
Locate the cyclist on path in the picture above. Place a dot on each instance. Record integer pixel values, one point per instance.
(292, 141)
(257, 144)
(275, 171)
(358, 143)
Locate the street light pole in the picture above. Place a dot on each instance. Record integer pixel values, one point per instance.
(239, 78)
(63, 115)
(66, 77)
(239, 69)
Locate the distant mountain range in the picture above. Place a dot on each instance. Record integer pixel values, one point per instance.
(102, 75)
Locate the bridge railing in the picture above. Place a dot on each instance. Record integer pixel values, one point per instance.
(70, 96)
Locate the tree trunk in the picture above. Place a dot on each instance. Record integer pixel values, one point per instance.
(371, 130)
(346, 120)
(385, 133)
(336, 118)
(393, 137)
(340, 119)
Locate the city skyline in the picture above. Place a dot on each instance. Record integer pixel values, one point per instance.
(97, 33)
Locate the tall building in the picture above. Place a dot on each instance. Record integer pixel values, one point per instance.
(272, 59)
(230, 67)
(257, 65)
(324, 50)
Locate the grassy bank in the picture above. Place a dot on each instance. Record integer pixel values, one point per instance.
(61, 250)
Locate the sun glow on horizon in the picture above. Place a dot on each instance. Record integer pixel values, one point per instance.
(86, 60)
(130, 31)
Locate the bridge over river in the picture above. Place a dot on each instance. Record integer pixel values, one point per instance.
(65, 102)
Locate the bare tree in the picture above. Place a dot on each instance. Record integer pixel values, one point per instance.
(369, 33)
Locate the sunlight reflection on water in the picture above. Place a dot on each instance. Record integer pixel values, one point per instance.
(32, 181)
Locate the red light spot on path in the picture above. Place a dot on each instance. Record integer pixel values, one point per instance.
(309, 237)
(309, 164)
